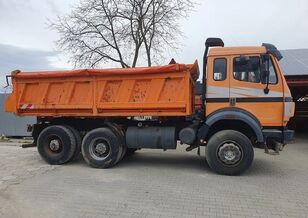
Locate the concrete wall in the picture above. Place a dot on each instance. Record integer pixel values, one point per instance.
(11, 125)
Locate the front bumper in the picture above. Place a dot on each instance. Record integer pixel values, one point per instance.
(282, 136)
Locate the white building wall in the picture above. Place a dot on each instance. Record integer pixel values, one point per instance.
(11, 125)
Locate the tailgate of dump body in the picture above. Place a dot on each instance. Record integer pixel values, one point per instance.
(154, 91)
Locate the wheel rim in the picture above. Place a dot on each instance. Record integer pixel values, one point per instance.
(229, 153)
(54, 145)
(99, 149)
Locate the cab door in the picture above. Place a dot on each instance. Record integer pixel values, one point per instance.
(218, 83)
(248, 89)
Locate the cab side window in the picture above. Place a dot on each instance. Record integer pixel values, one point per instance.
(247, 69)
(220, 69)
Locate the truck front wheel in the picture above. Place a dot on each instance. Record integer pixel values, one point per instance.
(229, 152)
(56, 144)
(100, 148)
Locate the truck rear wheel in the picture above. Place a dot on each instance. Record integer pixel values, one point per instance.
(229, 152)
(100, 148)
(120, 135)
(56, 144)
(78, 141)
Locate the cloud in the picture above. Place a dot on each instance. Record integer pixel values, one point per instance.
(25, 23)
(13, 57)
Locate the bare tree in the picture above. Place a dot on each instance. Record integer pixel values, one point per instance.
(101, 31)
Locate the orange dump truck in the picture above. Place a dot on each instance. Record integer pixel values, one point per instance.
(242, 102)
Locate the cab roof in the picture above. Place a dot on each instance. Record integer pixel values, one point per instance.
(243, 50)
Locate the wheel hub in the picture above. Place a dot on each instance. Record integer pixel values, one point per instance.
(54, 145)
(229, 153)
(101, 149)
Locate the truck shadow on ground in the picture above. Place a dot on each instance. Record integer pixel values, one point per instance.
(170, 161)
(194, 163)
(189, 163)
(158, 161)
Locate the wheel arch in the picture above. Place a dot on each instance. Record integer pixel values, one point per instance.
(235, 119)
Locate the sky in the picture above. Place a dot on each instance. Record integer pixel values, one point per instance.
(26, 42)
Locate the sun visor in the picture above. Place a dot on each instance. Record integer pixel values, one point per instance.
(271, 49)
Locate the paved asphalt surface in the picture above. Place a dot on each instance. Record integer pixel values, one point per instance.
(154, 184)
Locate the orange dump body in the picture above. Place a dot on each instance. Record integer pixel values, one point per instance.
(153, 91)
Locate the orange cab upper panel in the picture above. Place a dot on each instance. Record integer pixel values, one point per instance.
(223, 51)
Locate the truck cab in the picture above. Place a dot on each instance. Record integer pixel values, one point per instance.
(248, 82)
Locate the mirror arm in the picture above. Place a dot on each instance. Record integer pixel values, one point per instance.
(266, 90)
(7, 81)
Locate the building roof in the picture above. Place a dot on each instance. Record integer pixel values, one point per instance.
(294, 62)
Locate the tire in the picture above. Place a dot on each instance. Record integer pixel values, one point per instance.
(78, 141)
(101, 148)
(120, 134)
(56, 144)
(229, 152)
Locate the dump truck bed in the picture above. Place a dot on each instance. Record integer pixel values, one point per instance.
(153, 91)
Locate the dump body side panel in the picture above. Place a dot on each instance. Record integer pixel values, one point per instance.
(92, 93)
